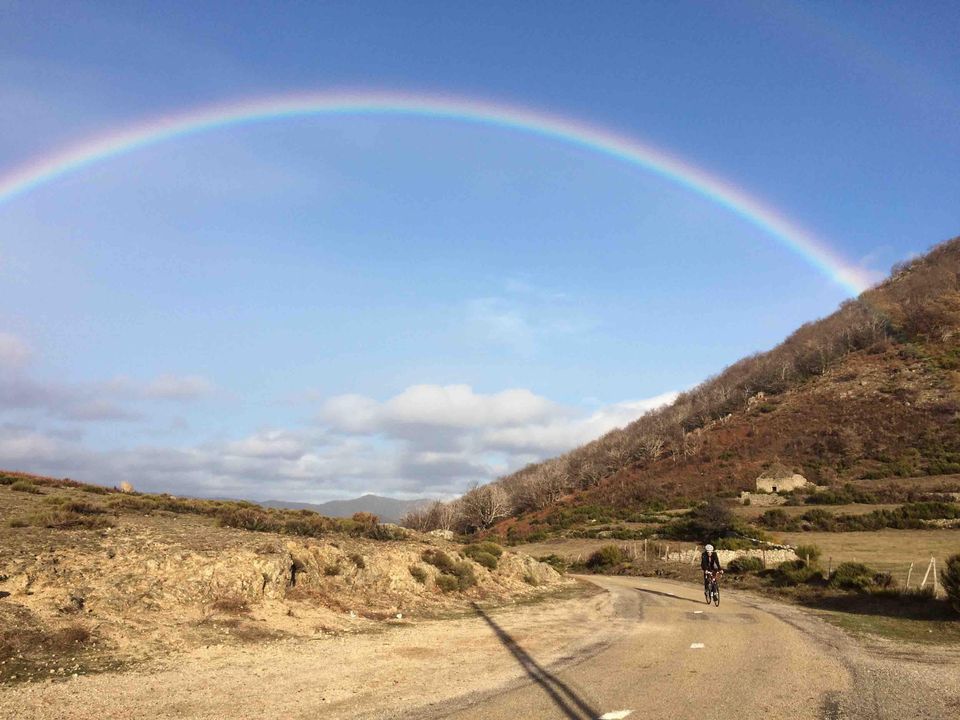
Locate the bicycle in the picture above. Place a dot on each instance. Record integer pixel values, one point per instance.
(712, 592)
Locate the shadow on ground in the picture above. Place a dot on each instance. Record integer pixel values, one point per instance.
(668, 595)
(563, 696)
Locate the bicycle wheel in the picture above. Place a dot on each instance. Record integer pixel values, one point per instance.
(716, 595)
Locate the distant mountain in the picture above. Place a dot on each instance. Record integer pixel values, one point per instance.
(387, 509)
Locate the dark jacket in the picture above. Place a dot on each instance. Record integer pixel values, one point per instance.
(708, 562)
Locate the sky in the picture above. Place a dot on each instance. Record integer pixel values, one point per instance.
(315, 306)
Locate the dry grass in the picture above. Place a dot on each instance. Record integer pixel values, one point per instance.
(888, 550)
(754, 511)
(231, 604)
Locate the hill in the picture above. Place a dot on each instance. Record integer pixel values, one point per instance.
(869, 392)
(387, 509)
(92, 578)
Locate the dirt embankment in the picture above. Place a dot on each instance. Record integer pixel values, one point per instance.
(91, 599)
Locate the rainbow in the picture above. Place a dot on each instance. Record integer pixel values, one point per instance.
(36, 173)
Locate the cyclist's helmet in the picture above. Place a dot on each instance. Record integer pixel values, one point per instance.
(709, 548)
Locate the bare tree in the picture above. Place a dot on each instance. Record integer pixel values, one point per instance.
(483, 505)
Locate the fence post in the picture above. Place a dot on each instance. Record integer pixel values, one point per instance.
(909, 573)
(927, 574)
(644, 549)
(830, 566)
(763, 555)
(936, 584)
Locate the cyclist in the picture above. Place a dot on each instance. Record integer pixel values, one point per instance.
(709, 563)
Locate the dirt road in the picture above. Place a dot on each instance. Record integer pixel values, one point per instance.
(650, 647)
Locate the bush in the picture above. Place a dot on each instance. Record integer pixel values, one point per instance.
(485, 559)
(249, 519)
(810, 554)
(777, 519)
(439, 559)
(305, 526)
(485, 553)
(485, 546)
(556, 562)
(447, 583)
(950, 577)
(463, 571)
(418, 574)
(795, 572)
(331, 570)
(59, 519)
(27, 487)
(852, 576)
(384, 532)
(745, 564)
(233, 604)
(358, 560)
(606, 557)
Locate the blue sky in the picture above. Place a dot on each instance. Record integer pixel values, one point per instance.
(318, 307)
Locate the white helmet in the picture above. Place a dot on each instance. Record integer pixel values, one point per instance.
(709, 548)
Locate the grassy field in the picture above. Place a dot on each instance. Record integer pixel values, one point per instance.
(889, 550)
(754, 511)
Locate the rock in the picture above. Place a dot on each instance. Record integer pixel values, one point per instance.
(445, 534)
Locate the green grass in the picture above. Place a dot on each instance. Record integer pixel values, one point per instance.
(927, 632)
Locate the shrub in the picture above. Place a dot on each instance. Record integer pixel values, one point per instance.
(745, 564)
(606, 557)
(95, 489)
(249, 519)
(234, 604)
(439, 559)
(418, 573)
(27, 487)
(384, 532)
(491, 548)
(852, 576)
(358, 560)
(366, 519)
(808, 553)
(331, 570)
(485, 559)
(795, 572)
(531, 580)
(305, 526)
(950, 577)
(58, 519)
(463, 571)
(556, 562)
(447, 583)
(777, 519)
(484, 553)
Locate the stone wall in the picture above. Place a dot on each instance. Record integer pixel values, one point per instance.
(761, 499)
(772, 557)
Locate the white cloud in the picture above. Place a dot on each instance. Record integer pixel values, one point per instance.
(178, 387)
(430, 440)
(440, 406)
(14, 352)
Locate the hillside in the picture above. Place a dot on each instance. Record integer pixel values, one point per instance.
(869, 392)
(92, 578)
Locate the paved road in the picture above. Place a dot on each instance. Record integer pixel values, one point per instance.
(751, 665)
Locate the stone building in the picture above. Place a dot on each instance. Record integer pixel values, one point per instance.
(778, 478)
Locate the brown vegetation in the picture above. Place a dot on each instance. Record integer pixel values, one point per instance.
(872, 391)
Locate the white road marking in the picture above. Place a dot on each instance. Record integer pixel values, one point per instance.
(698, 612)
(615, 715)
(696, 646)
